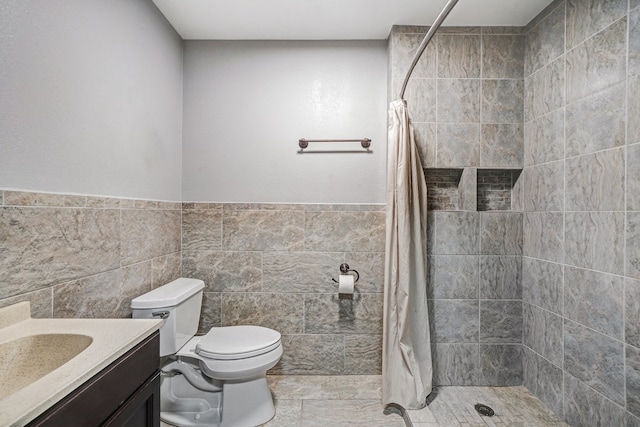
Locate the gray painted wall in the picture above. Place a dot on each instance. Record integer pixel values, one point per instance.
(247, 103)
(91, 99)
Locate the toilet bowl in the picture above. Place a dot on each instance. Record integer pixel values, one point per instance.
(218, 379)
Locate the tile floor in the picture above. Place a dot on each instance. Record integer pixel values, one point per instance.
(354, 401)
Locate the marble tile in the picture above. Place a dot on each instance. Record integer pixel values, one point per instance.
(585, 18)
(595, 359)
(632, 261)
(328, 314)
(288, 413)
(633, 109)
(304, 272)
(468, 200)
(514, 406)
(544, 90)
(45, 246)
(542, 284)
(165, 269)
(104, 295)
(41, 302)
(503, 30)
(344, 413)
(261, 230)
(425, 140)
(502, 101)
(457, 233)
(595, 240)
(224, 271)
(597, 63)
(543, 235)
(633, 178)
(503, 56)
(421, 99)
(585, 407)
(595, 182)
(500, 365)
(632, 311)
(202, 229)
(302, 387)
(456, 29)
(634, 42)
(632, 359)
(310, 355)
(544, 138)
(344, 231)
(501, 322)
(363, 354)
(455, 364)
(458, 56)
(402, 51)
(500, 277)
(458, 144)
(595, 300)
(147, 234)
(502, 145)
(275, 311)
(545, 42)
(459, 101)
(210, 312)
(456, 276)
(543, 333)
(543, 379)
(630, 420)
(544, 187)
(596, 122)
(370, 265)
(27, 198)
(501, 233)
(454, 321)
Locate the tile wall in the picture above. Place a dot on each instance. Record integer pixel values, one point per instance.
(581, 282)
(272, 265)
(83, 256)
(465, 98)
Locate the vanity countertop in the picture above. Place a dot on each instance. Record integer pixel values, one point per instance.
(111, 338)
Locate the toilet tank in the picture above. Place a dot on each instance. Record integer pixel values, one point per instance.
(178, 304)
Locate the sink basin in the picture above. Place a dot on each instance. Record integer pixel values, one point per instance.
(34, 356)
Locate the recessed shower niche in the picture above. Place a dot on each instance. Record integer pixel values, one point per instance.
(471, 189)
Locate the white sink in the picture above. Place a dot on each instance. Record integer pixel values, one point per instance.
(27, 359)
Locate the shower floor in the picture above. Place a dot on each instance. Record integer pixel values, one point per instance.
(354, 400)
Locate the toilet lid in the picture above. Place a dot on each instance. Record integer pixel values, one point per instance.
(237, 342)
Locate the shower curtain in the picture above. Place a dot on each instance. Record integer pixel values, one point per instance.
(406, 353)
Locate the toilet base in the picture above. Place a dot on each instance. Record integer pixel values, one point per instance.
(247, 403)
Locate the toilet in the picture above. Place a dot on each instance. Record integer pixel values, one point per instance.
(218, 379)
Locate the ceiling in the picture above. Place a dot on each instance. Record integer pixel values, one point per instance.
(332, 19)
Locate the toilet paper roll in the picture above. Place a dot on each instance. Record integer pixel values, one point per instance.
(346, 284)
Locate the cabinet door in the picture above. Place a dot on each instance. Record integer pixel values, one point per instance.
(142, 409)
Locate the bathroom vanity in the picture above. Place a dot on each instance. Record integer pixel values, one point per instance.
(78, 372)
(126, 393)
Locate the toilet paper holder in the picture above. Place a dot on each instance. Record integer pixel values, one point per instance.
(344, 269)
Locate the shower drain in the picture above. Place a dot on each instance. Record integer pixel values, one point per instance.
(484, 410)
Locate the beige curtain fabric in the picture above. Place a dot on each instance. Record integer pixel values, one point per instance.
(406, 353)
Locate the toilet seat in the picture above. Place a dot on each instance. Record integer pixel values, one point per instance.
(237, 342)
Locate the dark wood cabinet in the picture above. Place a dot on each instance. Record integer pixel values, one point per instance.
(125, 393)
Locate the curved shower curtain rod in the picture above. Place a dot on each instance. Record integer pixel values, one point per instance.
(423, 45)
